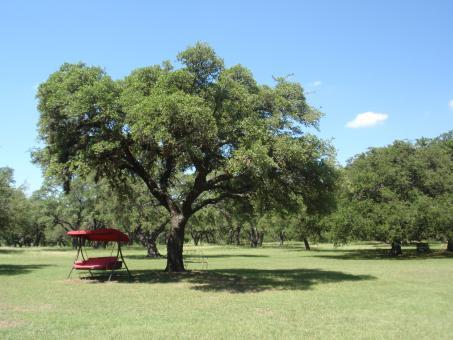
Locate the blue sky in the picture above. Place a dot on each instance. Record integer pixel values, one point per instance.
(392, 60)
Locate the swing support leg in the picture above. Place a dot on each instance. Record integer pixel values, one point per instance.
(113, 266)
(124, 262)
(79, 249)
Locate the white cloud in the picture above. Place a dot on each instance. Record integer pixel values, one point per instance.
(317, 83)
(367, 119)
(450, 104)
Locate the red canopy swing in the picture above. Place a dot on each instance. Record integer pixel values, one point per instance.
(99, 263)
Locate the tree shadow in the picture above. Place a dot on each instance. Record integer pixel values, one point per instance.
(380, 254)
(245, 280)
(295, 246)
(143, 257)
(196, 256)
(58, 249)
(11, 251)
(19, 269)
(224, 256)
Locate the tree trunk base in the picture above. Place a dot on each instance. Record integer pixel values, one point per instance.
(153, 252)
(307, 245)
(450, 245)
(174, 269)
(396, 249)
(422, 247)
(175, 244)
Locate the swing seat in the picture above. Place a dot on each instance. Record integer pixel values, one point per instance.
(98, 263)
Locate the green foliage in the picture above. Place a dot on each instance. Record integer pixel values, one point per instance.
(6, 193)
(402, 192)
(19, 216)
(208, 225)
(160, 121)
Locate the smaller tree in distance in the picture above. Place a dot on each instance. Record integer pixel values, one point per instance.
(399, 193)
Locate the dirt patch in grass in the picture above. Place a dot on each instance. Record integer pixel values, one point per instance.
(10, 323)
(264, 311)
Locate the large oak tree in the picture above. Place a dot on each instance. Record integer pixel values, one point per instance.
(194, 134)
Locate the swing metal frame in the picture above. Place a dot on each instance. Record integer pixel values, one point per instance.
(110, 263)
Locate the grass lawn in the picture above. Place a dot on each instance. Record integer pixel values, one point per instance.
(270, 292)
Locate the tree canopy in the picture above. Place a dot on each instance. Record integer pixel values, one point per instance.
(401, 192)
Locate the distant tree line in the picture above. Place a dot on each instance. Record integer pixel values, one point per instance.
(398, 194)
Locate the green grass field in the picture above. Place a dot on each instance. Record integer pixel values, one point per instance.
(271, 292)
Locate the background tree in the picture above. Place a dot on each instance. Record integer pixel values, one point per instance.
(133, 210)
(6, 193)
(76, 209)
(436, 183)
(206, 224)
(236, 213)
(399, 193)
(20, 224)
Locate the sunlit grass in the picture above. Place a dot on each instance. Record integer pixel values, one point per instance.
(270, 292)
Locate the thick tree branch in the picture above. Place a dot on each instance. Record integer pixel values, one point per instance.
(151, 234)
(218, 179)
(170, 162)
(63, 223)
(215, 200)
(162, 197)
(199, 186)
(169, 167)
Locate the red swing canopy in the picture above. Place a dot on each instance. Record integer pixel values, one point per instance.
(105, 234)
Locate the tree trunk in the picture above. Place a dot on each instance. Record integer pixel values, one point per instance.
(396, 249)
(307, 245)
(175, 243)
(149, 239)
(256, 237)
(260, 238)
(450, 244)
(196, 238)
(210, 237)
(238, 236)
(422, 247)
(152, 250)
(253, 235)
(75, 242)
(230, 236)
(281, 235)
(39, 238)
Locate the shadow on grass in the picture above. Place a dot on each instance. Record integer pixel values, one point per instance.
(380, 254)
(143, 257)
(284, 246)
(196, 256)
(224, 256)
(11, 251)
(242, 280)
(58, 249)
(19, 269)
